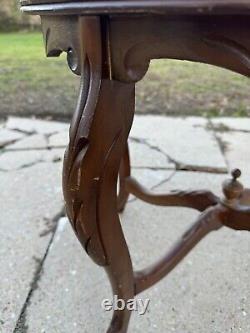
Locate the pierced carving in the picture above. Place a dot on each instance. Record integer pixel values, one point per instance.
(61, 35)
(68, 35)
(81, 206)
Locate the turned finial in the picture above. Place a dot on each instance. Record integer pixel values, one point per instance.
(232, 188)
(236, 173)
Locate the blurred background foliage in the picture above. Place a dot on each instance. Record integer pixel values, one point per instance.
(12, 20)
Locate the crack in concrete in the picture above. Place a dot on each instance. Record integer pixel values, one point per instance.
(28, 165)
(205, 169)
(32, 149)
(3, 147)
(6, 147)
(50, 227)
(27, 133)
(222, 128)
(151, 168)
(190, 168)
(180, 166)
(223, 146)
(165, 180)
(155, 148)
(21, 325)
(24, 166)
(46, 137)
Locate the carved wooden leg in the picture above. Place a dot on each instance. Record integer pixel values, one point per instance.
(123, 175)
(114, 120)
(98, 137)
(108, 136)
(111, 53)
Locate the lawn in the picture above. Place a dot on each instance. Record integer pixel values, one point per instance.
(30, 84)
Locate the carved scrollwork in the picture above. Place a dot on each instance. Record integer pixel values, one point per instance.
(81, 189)
(70, 34)
(60, 35)
(208, 39)
(89, 188)
(233, 47)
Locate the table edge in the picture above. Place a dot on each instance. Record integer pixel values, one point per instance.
(137, 7)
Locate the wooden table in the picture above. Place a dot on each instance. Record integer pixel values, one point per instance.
(110, 44)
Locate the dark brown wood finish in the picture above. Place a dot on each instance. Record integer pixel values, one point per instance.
(124, 174)
(111, 53)
(134, 7)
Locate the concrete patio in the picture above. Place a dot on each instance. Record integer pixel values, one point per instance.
(49, 285)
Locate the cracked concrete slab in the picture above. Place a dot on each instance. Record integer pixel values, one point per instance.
(36, 141)
(235, 124)
(60, 283)
(236, 146)
(53, 155)
(151, 178)
(19, 159)
(185, 140)
(144, 156)
(29, 199)
(15, 160)
(59, 139)
(203, 294)
(9, 136)
(30, 125)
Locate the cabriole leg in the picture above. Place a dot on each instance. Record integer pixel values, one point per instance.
(124, 174)
(98, 137)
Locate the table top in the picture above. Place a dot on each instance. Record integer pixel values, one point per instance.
(91, 7)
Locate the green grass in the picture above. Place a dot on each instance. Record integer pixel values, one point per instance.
(23, 62)
(32, 84)
(193, 88)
